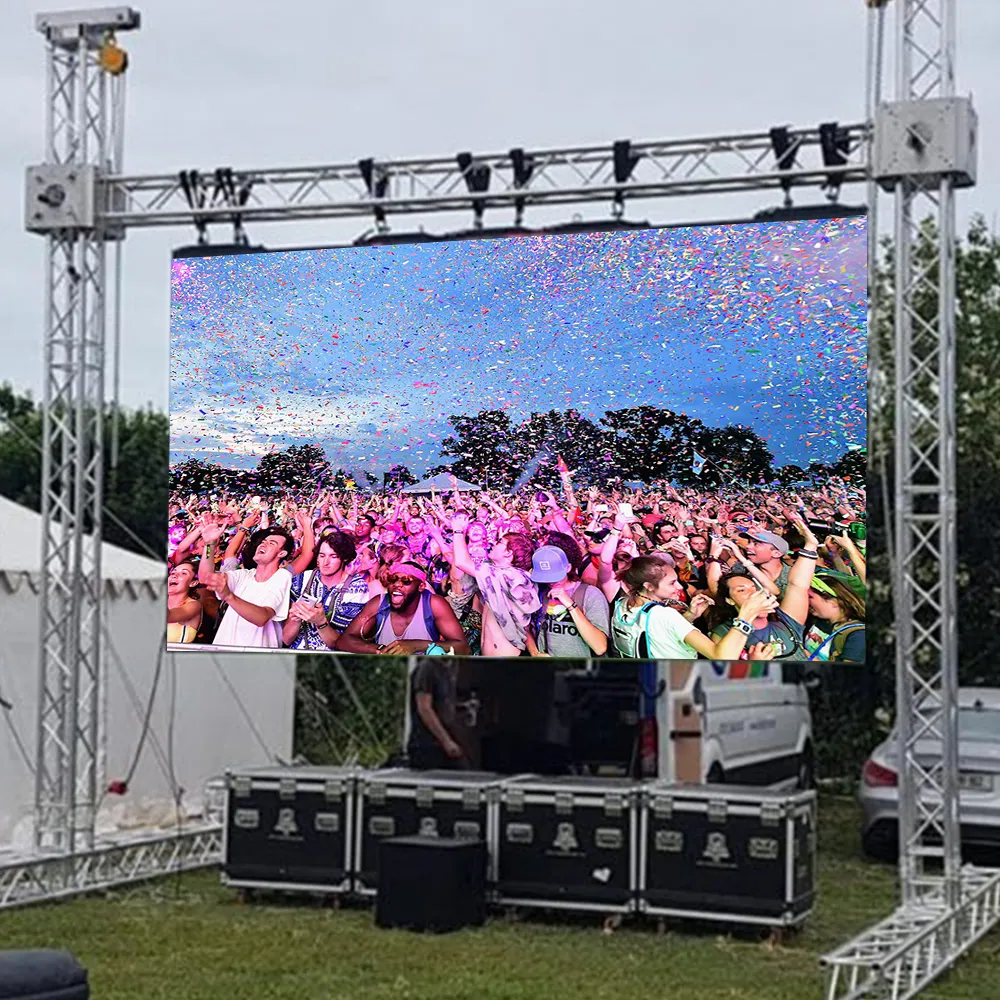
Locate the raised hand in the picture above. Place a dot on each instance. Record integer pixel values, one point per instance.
(700, 603)
(762, 651)
(757, 604)
(560, 595)
(211, 530)
(219, 583)
(806, 532)
(460, 522)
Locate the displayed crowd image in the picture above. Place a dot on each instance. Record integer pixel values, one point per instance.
(646, 443)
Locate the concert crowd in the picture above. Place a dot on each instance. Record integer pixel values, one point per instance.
(654, 573)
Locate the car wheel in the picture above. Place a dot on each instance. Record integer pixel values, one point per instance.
(716, 776)
(880, 842)
(806, 777)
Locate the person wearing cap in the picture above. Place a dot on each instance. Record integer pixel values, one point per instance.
(574, 619)
(782, 628)
(837, 631)
(765, 553)
(762, 560)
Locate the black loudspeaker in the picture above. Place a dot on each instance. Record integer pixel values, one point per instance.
(431, 883)
(42, 975)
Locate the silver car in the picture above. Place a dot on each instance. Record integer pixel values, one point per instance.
(979, 778)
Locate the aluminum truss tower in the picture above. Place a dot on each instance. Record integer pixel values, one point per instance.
(82, 141)
(923, 150)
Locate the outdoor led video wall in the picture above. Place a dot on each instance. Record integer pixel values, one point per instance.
(642, 443)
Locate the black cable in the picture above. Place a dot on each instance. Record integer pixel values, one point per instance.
(144, 732)
(8, 708)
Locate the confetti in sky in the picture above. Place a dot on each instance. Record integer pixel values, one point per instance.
(368, 350)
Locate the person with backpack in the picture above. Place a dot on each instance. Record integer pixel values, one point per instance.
(837, 613)
(408, 619)
(649, 625)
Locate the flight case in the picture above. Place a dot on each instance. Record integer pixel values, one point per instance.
(401, 803)
(727, 853)
(289, 828)
(567, 843)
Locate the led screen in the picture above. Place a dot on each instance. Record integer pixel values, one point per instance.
(641, 443)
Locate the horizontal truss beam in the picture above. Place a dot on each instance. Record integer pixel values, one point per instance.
(654, 169)
(897, 958)
(39, 878)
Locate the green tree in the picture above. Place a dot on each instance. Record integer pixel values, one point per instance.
(852, 465)
(544, 437)
(484, 449)
(300, 467)
(735, 454)
(199, 477)
(398, 477)
(977, 260)
(789, 475)
(135, 493)
(650, 444)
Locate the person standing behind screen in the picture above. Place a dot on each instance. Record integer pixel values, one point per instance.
(326, 598)
(431, 745)
(257, 598)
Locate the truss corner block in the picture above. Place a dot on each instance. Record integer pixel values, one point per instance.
(60, 197)
(926, 141)
(65, 28)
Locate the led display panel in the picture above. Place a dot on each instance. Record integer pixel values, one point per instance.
(642, 443)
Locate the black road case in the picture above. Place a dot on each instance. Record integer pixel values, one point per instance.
(402, 803)
(431, 883)
(289, 828)
(727, 853)
(567, 843)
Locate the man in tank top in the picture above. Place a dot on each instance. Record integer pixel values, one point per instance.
(402, 622)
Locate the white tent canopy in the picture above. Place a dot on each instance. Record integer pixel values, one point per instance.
(210, 711)
(442, 484)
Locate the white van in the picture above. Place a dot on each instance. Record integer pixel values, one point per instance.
(735, 721)
(738, 722)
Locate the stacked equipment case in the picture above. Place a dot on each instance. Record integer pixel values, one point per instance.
(567, 843)
(724, 853)
(405, 803)
(289, 828)
(727, 853)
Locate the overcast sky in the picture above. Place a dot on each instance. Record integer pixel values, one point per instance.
(248, 83)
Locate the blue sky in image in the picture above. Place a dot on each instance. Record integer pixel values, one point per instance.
(368, 350)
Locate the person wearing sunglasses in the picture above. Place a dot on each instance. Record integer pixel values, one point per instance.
(407, 620)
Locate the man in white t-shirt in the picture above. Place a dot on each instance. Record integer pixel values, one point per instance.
(258, 597)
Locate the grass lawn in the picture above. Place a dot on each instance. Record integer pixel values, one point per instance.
(188, 938)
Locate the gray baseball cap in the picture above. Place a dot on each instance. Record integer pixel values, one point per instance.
(770, 538)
